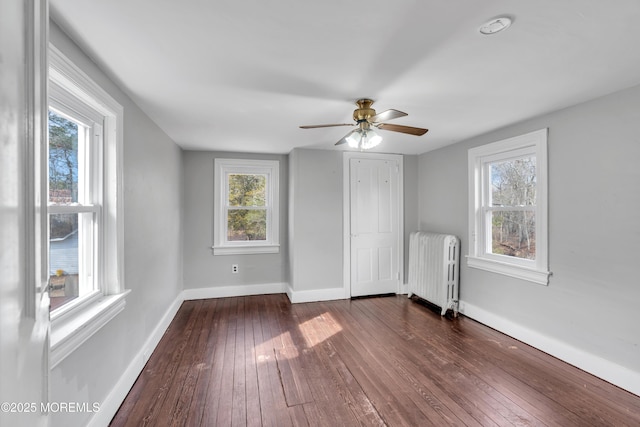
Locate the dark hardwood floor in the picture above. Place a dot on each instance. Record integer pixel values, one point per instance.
(381, 361)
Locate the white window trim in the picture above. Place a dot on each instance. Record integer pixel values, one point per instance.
(531, 270)
(74, 323)
(222, 167)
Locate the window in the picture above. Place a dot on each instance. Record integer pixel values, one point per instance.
(86, 288)
(508, 207)
(74, 205)
(246, 206)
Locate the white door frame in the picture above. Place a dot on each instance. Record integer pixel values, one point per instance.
(346, 215)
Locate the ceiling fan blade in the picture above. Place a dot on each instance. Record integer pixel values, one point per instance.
(404, 129)
(325, 126)
(344, 139)
(387, 115)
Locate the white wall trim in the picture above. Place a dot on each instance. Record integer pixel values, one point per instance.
(315, 295)
(234, 291)
(111, 404)
(615, 374)
(71, 331)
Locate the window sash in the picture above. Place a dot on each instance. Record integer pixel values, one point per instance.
(89, 197)
(229, 209)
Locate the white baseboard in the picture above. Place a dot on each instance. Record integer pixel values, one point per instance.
(112, 403)
(315, 295)
(326, 294)
(234, 291)
(618, 375)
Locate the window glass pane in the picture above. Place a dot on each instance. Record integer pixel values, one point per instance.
(246, 224)
(513, 233)
(64, 259)
(513, 182)
(63, 160)
(247, 190)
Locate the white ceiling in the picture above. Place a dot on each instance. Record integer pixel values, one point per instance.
(242, 75)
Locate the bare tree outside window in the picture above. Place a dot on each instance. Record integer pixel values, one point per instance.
(63, 228)
(512, 207)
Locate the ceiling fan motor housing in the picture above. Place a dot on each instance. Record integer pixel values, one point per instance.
(364, 111)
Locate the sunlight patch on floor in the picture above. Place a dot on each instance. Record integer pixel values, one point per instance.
(320, 328)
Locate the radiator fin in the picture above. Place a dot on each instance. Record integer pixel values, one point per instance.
(433, 268)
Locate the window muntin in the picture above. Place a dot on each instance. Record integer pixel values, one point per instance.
(508, 207)
(246, 206)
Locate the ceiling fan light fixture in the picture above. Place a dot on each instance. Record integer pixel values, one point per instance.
(354, 138)
(370, 139)
(363, 139)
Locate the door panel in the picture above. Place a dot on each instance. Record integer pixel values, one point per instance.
(375, 226)
(364, 262)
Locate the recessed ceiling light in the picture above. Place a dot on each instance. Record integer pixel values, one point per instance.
(495, 25)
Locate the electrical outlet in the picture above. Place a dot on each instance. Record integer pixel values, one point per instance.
(234, 268)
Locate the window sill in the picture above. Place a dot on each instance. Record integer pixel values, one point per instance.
(70, 331)
(240, 250)
(540, 277)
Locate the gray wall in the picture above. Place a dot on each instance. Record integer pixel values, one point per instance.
(201, 268)
(315, 223)
(152, 248)
(591, 303)
(316, 217)
(411, 205)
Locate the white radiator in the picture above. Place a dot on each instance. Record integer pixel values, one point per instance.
(433, 268)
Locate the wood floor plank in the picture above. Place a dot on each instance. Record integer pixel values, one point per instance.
(239, 395)
(372, 377)
(194, 365)
(479, 400)
(415, 407)
(208, 334)
(331, 394)
(214, 392)
(484, 366)
(260, 361)
(161, 371)
(274, 411)
(251, 370)
(432, 388)
(331, 372)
